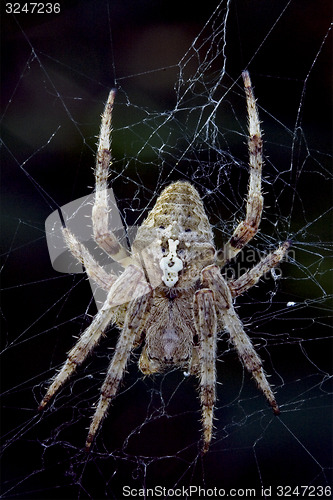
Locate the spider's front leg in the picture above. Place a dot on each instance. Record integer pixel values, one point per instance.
(206, 327)
(248, 228)
(103, 236)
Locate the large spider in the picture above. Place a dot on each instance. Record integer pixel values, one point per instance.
(171, 296)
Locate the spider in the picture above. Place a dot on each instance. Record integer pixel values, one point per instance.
(171, 296)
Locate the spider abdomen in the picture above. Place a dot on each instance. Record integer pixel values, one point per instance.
(179, 216)
(177, 213)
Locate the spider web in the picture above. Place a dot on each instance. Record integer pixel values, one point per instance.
(180, 114)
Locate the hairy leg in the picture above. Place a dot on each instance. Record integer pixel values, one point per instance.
(248, 228)
(206, 327)
(128, 287)
(103, 236)
(248, 355)
(252, 276)
(212, 278)
(134, 324)
(92, 268)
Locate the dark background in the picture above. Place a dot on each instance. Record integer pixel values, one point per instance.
(56, 73)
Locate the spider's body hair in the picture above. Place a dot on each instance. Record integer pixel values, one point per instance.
(179, 215)
(169, 332)
(171, 297)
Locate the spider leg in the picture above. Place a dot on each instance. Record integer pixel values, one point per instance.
(92, 268)
(248, 228)
(206, 326)
(134, 323)
(212, 277)
(251, 277)
(100, 213)
(121, 292)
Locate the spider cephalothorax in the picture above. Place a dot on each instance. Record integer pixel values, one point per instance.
(171, 297)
